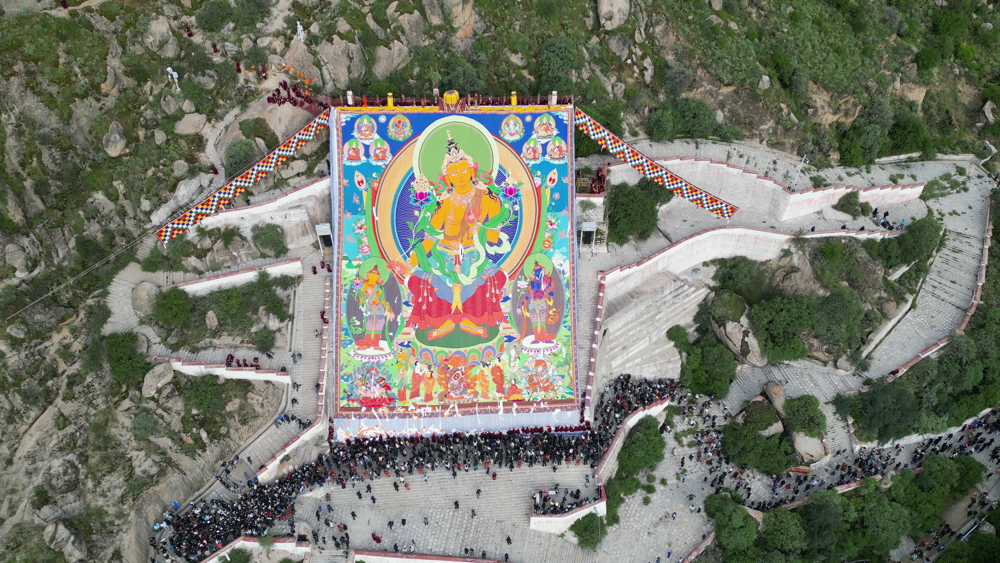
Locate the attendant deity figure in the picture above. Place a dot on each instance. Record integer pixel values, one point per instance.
(454, 284)
(531, 151)
(537, 305)
(375, 309)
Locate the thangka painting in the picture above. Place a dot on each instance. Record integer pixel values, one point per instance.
(456, 271)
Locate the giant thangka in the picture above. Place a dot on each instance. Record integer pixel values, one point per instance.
(456, 260)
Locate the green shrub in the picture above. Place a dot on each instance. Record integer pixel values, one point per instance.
(258, 128)
(40, 497)
(240, 154)
(214, 15)
(556, 60)
(127, 367)
(263, 340)
(778, 324)
(727, 307)
(848, 203)
(709, 367)
(735, 529)
(662, 124)
(270, 237)
(802, 414)
(240, 555)
(744, 444)
(643, 448)
(173, 307)
(248, 12)
(205, 395)
(589, 531)
(143, 425)
(760, 415)
(25, 544)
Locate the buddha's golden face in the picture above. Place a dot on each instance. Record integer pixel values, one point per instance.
(459, 175)
(372, 277)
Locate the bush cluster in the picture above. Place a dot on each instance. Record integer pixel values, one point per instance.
(687, 118)
(127, 366)
(632, 211)
(642, 450)
(709, 367)
(270, 237)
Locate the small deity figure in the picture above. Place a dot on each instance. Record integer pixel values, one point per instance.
(354, 151)
(375, 309)
(381, 152)
(537, 305)
(545, 127)
(422, 377)
(365, 128)
(539, 381)
(556, 150)
(531, 152)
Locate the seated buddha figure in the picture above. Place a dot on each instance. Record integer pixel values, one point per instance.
(454, 284)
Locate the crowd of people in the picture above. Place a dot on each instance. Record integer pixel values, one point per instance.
(204, 528)
(545, 501)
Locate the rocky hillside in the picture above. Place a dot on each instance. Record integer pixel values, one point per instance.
(100, 144)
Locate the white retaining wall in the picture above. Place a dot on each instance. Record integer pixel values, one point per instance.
(560, 523)
(198, 369)
(751, 192)
(267, 212)
(720, 242)
(205, 286)
(389, 557)
(249, 542)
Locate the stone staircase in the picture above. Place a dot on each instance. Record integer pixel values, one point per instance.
(636, 323)
(940, 304)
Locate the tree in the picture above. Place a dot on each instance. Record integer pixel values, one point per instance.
(173, 307)
(745, 445)
(240, 154)
(781, 530)
(263, 340)
(779, 323)
(127, 366)
(884, 413)
(643, 448)
(734, 527)
(249, 12)
(205, 395)
(822, 521)
(632, 212)
(240, 555)
(589, 531)
(883, 521)
(838, 316)
(555, 61)
(461, 76)
(270, 237)
(662, 124)
(696, 118)
(214, 15)
(970, 473)
(802, 414)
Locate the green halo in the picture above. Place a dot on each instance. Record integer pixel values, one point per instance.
(374, 262)
(542, 260)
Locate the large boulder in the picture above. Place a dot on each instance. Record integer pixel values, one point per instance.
(463, 16)
(772, 430)
(114, 140)
(613, 13)
(60, 538)
(160, 375)
(144, 298)
(159, 38)
(211, 321)
(433, 10)
(169, 104)
(764, 83)
(989, 111)
(390, 60)
(776, 394)
(809, 450)
(298, 57)
(737, 335)
(15, 256)
(342, 60)
(413, 28)
(190, 124)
